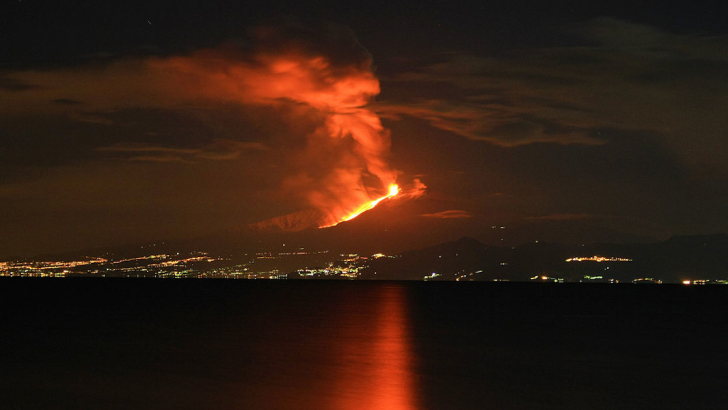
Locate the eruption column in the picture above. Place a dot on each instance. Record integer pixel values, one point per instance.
(338, 92)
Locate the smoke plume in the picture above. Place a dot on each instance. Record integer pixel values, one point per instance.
(333, 77)
(320, 72)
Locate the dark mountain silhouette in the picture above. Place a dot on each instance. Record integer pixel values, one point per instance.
(399, 224)
(674, 260)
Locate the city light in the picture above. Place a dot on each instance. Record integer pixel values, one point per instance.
(598, 259)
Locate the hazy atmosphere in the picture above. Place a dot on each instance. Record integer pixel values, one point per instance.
(160, 120)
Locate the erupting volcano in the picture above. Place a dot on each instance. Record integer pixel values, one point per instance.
(393, 191)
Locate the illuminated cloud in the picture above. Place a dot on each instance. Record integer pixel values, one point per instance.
(323, 77)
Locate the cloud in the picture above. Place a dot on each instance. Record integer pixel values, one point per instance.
(9, 84)
(451, 214)
(499, 126)
(67, 101)
(321, 73)
(563, 217)
(219, 150)
(621, 76)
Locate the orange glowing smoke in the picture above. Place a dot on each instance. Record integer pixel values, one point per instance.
(320, 79)
(328, 78)
(337, 93)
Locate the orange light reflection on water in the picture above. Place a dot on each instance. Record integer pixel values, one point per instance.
(377, 368)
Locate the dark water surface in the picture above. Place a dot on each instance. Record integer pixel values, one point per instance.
(222, 344)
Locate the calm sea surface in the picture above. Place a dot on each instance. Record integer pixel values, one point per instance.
(224, 344)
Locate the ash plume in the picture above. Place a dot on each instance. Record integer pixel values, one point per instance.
(317, 75)
(330, 74)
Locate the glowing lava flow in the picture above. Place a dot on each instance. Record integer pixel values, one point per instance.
(393, 191)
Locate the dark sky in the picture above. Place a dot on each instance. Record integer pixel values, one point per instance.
(145, 120)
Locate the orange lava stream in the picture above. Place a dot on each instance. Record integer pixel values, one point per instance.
(393, 191)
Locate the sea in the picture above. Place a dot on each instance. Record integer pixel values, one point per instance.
(83, 343)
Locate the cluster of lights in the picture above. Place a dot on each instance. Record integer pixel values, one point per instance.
(600, 278)
(598, 259)
(647, 280)
(545, 278)
(183, 261)
(352, 269)
(43, 268)
(381, 255)
(704, 282)
(141, 258)
(48, 265)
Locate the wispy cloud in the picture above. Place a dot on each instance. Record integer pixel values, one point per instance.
(450, 214)
(218, 150)
(622, 76)
(9, 84)
(563, 217)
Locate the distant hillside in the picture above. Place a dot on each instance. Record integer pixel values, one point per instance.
(674, 260)
(394, 226)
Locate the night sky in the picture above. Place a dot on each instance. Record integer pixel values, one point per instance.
(138, 121)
